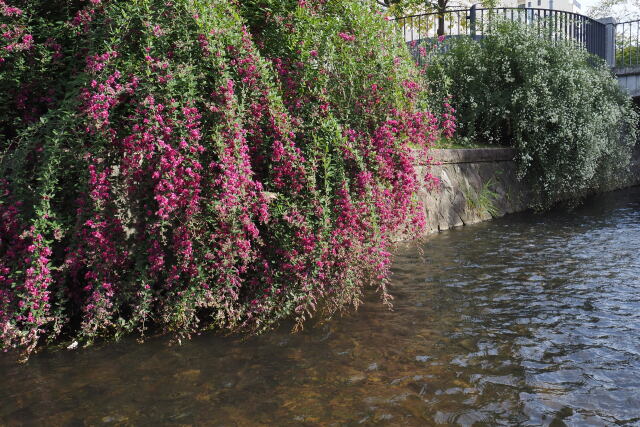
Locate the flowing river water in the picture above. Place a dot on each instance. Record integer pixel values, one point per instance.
(525, 320)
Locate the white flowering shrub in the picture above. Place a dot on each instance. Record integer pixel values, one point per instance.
(561, 108)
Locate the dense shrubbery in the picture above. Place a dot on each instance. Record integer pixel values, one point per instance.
(190, 164)
(562, 109)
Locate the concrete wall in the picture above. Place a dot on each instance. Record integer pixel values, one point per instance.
(479, 184)
(629, 79)
(635, 166)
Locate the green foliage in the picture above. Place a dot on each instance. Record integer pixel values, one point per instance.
(562, 110)
(627, 54)
(200, 164)
(482, 200)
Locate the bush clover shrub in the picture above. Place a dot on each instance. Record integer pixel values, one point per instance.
(195, 164)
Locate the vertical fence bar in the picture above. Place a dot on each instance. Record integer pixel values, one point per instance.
(615, 45)
(589, 37)
(419, 43)
(635, 46)
(624, 38)
(601, 51)
(472, 21)
(624, 42)
(622, 46)
(412, 37)
(603, 46)
(630, 47)
(404, 30)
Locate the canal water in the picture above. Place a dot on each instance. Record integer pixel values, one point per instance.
(526, 320)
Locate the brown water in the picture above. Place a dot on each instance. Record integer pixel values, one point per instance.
(526, 320)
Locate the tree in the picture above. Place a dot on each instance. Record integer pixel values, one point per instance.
(401, 8)
(622, 10)
(404, 7)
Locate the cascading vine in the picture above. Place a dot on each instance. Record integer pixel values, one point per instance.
(186, 164)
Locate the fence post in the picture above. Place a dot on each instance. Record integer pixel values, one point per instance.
(472, 21)
(609, 40)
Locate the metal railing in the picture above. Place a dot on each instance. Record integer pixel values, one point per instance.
(627, 43)
(421, 31)
(427, 25)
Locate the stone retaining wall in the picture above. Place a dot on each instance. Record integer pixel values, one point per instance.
(477, 185)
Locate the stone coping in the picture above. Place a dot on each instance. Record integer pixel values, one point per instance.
(472, 155)
(626, 70)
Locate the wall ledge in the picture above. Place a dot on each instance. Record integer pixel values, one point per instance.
(472, 155)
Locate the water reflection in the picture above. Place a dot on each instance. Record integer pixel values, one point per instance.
(527, 320)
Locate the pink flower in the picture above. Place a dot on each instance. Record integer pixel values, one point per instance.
(158, 31)
(347, 37)
(9, 11)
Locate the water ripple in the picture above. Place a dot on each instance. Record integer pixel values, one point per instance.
(527, 320)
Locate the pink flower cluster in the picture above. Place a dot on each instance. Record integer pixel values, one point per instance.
(347, 37)
(448, 119)
(7, 10)
(86, 15)
(25, 302)
(15, 38)
(96, 63)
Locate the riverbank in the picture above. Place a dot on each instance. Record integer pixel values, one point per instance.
(519, 321)
(479, 184)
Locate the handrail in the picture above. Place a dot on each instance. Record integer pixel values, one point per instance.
(476, 22)
(633, 21)
(565, 12)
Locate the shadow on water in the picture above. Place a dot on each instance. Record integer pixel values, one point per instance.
(525, 320)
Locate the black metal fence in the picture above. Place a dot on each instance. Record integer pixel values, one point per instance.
(627, 43)
(421, 31)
